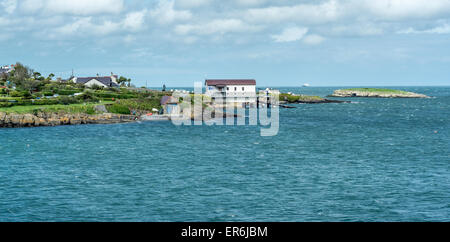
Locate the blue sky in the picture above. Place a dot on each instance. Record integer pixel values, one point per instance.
(279, 43)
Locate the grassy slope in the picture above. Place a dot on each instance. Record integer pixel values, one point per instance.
(302, 98)
(73, 108)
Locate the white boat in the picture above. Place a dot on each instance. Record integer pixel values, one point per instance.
(306, 85)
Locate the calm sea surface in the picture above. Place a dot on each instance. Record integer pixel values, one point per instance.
(372, 160)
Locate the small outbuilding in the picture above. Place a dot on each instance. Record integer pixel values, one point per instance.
(170, 105)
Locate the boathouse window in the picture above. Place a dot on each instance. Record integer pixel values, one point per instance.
(243, 89)
(235, 89)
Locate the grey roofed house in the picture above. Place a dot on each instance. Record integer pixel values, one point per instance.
(105, 80)
(5, 70)
(168, 100)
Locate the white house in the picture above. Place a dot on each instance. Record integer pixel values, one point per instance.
(231, 91)
(6, 69)
(101, 81)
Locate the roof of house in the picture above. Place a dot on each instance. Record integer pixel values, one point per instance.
(105, 80)
(168, 100)
(4, 70)
(226, 82)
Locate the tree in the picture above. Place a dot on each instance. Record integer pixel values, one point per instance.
(50, 77)
(36, 75)
(3, 78)
(122, 80)
(96, 87)
(25, 78)
(20, 73)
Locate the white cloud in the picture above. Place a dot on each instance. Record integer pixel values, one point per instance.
(307, 13)
(400, 9)
(313, 39)
(218, 26)
(165, 13)
(85, 26)
(78, 7)
(135, 21)
(290, 34)
(192, 3)
(129, 39)
(444, 29)
(193, 19)
(356, 29)
(250, 2)
(9, 5)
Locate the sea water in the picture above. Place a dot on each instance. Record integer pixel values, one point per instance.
(371, 160)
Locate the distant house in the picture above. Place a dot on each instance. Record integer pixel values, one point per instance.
(6, 69)
(170, 105)
(232, 91)
(101, 81)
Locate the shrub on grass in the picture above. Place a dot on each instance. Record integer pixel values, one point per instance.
(16, 94)
(65, 100)
(118, 108)
(87, 96)
(66, 92)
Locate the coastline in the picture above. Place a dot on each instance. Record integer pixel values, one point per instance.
(14, 120)
(375, 93)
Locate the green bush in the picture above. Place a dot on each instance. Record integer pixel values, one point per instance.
(66, 92)
(6, 104)
(44, 102)
(48, 94)
(65, 100)
(87, 97)
(16, 94)
(141, 104)
(118, 108)
(103, 95)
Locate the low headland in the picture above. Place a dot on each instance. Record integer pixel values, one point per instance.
(28, 99)
(91, 107)
(376, 93)
(305, 99)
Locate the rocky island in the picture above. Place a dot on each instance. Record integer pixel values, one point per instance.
(305, 99)
(376, 93)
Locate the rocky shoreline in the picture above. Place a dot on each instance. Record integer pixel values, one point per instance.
(376, 94)
(56, 119)
(314, 101)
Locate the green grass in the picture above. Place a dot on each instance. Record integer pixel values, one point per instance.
(73, 108)
(376, 90)
(118, 108)
(145, 104)
(300, 98)
(10, 98)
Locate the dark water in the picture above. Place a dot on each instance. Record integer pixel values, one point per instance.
(374, 160)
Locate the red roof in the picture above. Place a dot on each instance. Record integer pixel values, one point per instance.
(227, 82)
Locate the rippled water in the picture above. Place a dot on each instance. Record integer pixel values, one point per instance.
(373, 160)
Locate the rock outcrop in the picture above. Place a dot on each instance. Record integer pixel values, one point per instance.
(313, 101)
(376, 93)
(55, 119)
